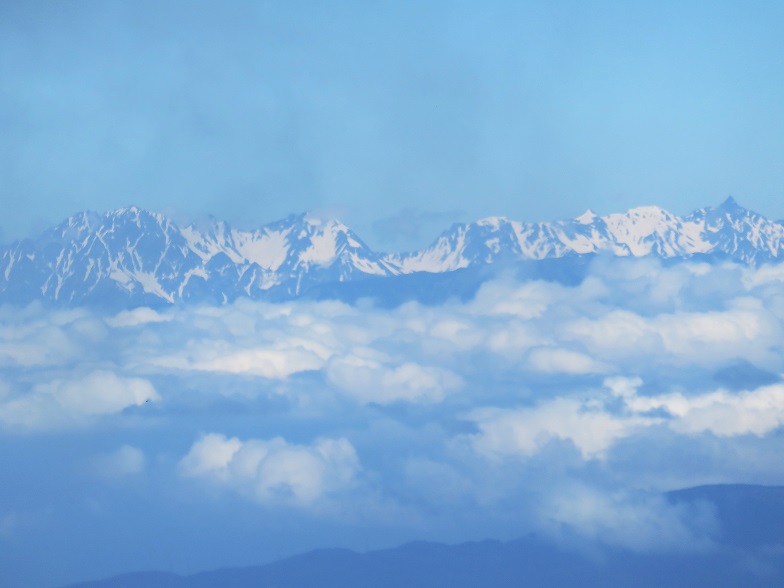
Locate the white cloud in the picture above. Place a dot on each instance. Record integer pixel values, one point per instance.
(370, 376)
(527, 300)
(98, 393)
(32, 338)
(615, 336)
(274, 471)
(458, 332)
(745, 330)
(210, 456)
(512, 339)
(269, 363)
(635, 521)
(137, 317)
(564, 361)
(753, 277)
(594, 428)
(277, 360)
(36, 344)
(622, 386)
(64, 402)
(725, 414)
(525, 431)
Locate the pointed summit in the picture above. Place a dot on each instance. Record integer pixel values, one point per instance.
(587, 217)
(730, 204)
(133, 257)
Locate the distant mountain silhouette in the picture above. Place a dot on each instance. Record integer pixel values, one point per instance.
(750, 555)
(751, 516)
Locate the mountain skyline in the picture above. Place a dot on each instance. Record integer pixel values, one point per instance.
(136, 257)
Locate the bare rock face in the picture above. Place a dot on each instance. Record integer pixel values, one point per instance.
(132, 257)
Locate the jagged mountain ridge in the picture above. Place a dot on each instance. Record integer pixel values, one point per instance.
(728, 230)
(134, 257)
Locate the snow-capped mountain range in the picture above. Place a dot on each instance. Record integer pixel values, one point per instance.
(132, 257)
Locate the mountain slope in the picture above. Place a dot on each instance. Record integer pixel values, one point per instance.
(728, 230)
(132, 257)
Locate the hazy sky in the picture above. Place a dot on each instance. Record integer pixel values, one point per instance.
(396, 117)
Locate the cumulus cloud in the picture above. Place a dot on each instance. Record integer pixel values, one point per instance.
(278, 361)
(369, 376)
(754, 277)
(36, 344)
(634, 520)
(595, 424)
(33, 338)
(257, 339)
(722, 413)
(525, 431)
(745, 330)
(528, 300)
(67, 402)
(274, 471)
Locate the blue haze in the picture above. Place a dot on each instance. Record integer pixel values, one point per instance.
(393, 118)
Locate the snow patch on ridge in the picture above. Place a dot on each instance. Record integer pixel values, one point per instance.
(269, 249)
(587, 217)
(144, 253)
(323, 246)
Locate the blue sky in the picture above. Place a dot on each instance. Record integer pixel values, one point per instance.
(398, 118)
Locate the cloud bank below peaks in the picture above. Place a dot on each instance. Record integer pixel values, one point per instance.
(458, 421)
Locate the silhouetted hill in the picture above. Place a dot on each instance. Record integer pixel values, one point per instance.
(748, 556)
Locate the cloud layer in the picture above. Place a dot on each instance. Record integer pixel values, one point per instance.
(534, 406)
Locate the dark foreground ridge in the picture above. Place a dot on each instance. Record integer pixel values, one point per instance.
(748, 553)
